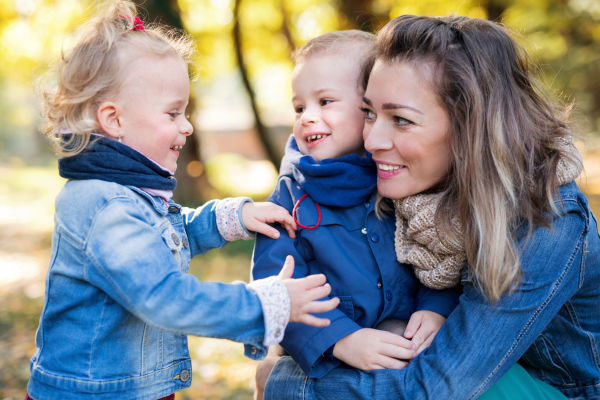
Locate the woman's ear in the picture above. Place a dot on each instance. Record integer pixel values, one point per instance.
(108, 114)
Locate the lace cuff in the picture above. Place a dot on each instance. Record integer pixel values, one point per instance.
(229, 219)
(275, 302)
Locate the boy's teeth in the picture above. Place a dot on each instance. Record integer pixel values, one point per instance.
(314, 137)
(177, 148)
(387, 167)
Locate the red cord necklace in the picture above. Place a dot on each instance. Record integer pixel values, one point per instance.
(294, 214)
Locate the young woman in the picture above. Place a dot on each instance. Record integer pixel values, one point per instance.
(478, 164)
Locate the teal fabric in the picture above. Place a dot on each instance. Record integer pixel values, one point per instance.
(517, 384)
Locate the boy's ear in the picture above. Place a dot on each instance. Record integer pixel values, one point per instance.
(108, 116)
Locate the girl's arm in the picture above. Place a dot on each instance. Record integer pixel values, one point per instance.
(479, 342)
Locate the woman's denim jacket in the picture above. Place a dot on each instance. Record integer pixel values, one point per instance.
(550, 324)
(119, 301)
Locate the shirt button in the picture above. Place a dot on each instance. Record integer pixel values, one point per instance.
(184, 375)
(364, 230)
(253, 350)
(173, 210)
(175, 239)
(388, 295)
(374, 238)
(379, 285)
(186, 244)
(277, 332)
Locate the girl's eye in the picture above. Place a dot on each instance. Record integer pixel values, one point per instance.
(369, 114)
(324, 102)
(299, 109)
(174, 114)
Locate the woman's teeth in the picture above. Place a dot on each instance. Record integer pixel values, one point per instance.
(387, 167)
(176, 148)
(315, 137)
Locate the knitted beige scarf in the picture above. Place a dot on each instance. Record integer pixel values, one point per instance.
(438, 261)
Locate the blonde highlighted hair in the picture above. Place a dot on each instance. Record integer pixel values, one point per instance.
(94, 70)
(507, 135)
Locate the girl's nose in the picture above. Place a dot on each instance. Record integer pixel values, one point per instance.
(376, 138)
(186, 128)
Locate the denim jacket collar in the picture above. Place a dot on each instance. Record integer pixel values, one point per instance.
(157, 202)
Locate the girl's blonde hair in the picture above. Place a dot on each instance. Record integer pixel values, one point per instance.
(95, 68)
(506, 135)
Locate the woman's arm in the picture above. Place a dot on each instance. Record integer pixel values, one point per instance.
(479, 342)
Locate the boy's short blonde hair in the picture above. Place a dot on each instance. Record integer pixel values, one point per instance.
(94, 69)
(334, 42)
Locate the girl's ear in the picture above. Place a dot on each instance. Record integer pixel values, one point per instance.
(108, 116)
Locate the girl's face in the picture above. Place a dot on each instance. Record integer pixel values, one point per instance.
(406, 130)
(152, 108)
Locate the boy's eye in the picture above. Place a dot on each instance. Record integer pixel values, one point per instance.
(369, 114)
(174, 114)
(324, 102)
(299, 109)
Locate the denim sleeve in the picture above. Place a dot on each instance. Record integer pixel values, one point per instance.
(127, 259)
(440, 301)
(306, 344)
(479, 342)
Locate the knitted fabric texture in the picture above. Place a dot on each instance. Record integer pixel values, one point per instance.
(438, 261)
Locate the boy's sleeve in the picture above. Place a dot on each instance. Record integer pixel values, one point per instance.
(128, 260)
(440, 301)
(306, 344)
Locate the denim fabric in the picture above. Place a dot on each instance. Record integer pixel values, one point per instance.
(355, 251)
(550, 324)
(119, 301)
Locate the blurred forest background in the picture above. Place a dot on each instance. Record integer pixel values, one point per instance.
(242, 114)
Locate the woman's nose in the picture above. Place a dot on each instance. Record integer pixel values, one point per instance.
(376, 138)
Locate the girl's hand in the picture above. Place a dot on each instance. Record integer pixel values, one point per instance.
(422, 328)
(256, 216)
(368, 349)
(303, 292)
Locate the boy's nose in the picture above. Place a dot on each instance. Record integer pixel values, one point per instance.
(186, 128)
(309, 116)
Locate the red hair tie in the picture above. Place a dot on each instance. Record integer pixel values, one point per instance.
(294, 214)
(138, 24)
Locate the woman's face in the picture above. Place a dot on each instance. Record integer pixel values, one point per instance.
(406, 130)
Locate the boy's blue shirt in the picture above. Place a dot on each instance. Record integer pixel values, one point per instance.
(355, 250)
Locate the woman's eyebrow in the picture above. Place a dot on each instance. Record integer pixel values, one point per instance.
(394, 106)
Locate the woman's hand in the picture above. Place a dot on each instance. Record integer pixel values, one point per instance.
(422, 328)
(368, 349)
(303, 294)
(256, 216)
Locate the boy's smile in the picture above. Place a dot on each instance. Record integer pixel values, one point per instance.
(329, 122)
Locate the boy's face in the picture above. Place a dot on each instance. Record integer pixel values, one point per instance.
(329, 122)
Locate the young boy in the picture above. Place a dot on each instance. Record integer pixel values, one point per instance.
(329, 183)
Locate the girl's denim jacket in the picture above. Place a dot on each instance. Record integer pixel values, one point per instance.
(119, 301)
(550, 324)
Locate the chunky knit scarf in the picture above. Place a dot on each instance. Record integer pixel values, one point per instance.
(438, 261)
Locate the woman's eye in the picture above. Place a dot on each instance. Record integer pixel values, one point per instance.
(369, 114)
(401, 121)
(324, 102)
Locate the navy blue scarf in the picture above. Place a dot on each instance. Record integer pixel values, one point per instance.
(108, 160)
(342, 182)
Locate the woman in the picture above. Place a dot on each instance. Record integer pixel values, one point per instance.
(480, 165)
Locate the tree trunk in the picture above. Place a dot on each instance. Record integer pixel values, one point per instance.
(261, 129)
(495, 8)
(191, 190)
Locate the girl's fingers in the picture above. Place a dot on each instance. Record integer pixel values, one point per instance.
(322, 306)
(314, 321)
(290, 231)
(288, 268)
(266, 230)
(318, 292)
(313, 282)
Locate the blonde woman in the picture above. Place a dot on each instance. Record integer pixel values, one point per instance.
(478, 164)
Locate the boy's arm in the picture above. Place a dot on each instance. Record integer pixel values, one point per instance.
(440, 301)
(305, 344)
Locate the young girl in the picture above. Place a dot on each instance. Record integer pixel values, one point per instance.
(119, 302)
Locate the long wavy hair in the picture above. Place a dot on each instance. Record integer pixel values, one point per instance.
(506, 133)
(94, 68)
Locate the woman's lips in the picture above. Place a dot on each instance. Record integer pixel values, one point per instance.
(385, 170)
